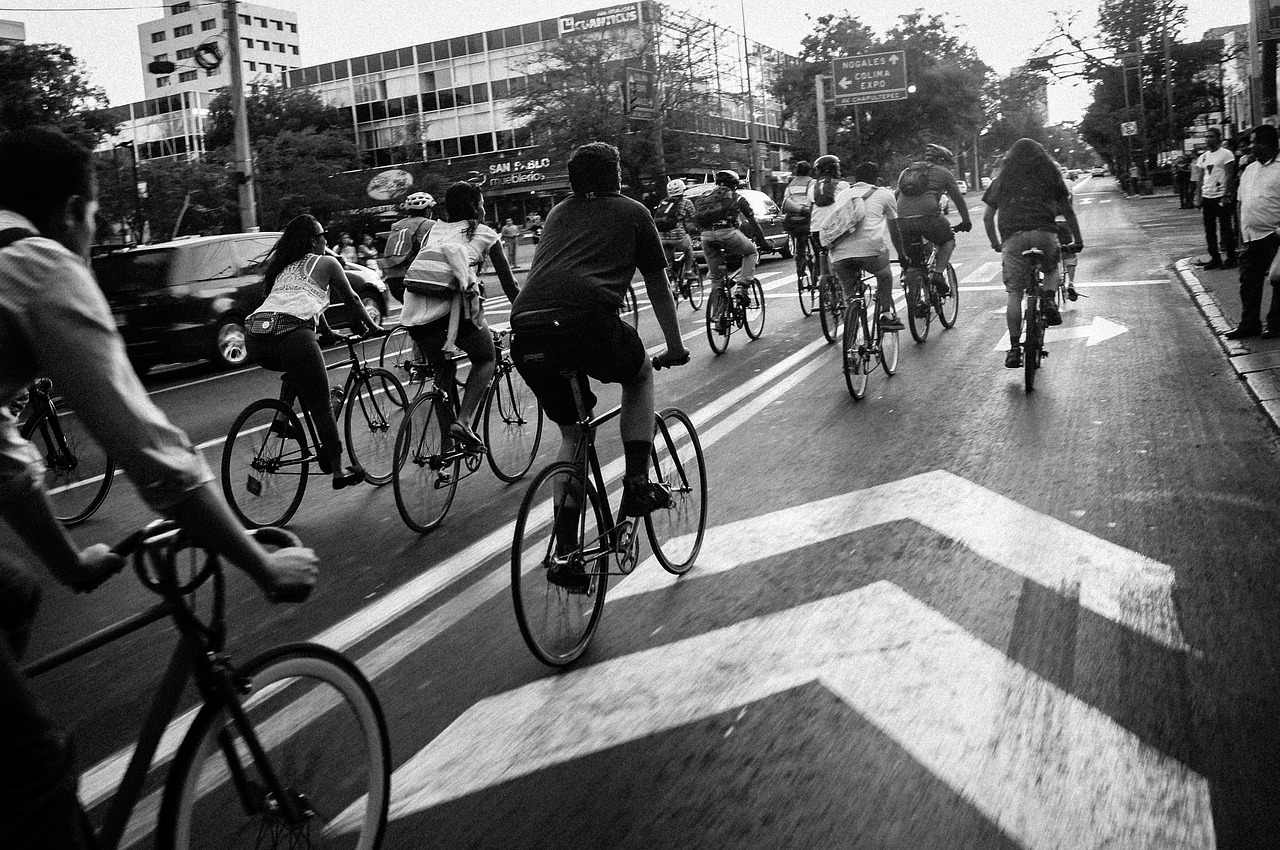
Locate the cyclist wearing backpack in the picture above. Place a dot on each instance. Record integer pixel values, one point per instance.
(796, 206)
(716, 213)
(407, 236)
(864, 248)
(920, 189)
(673, 217)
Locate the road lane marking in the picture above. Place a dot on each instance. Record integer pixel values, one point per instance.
(1099, 330)
(984, 272)
(1048, 768)
(1082, 285)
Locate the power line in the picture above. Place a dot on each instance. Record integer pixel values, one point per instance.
(145, 8)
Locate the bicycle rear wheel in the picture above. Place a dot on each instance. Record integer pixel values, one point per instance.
(948, 306)
(855, 351)
(719, 324)
(808, 289)
(887, 349)
(322, 735)
(371, 422)
(753, 313)
(830, 306)
(512, 424)
(557, 621)
(675, 532)
(1033, 346)
(77, 472)
(697, 284)
(398, 353)
(265, 462)
(630, 310)
(919, 312)
(424, 482)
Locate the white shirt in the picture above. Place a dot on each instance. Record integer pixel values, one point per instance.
(818, 215)
(1260, 200)
(868, 239)
(420, 310)
(1213, 172)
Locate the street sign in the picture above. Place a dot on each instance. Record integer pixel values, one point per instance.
(869, 78)
(1129, 128)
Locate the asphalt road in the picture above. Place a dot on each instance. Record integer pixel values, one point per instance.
(949, 615)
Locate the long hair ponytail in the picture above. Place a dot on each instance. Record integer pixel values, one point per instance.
(295, 242)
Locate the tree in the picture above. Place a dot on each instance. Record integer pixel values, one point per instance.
(293, 169)
(44, 84)
(271, 110)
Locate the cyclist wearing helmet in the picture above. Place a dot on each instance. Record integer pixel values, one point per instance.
(674, 217)
(407, 236)
(920, 189)
(718, 221)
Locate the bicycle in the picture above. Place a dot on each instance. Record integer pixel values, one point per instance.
(864, 341)
(431, 462)
(923, 300)
(807, 275)
(77, 472)
(725, 314)
(266, 458)
(558, 586)
(830, 298)
(1066, 277)
(284, 748)
(1034, 320)
(689, 286)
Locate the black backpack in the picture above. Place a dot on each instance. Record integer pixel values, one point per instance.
(914, 180)
(667, 215)
(824, 191)
(718, 205)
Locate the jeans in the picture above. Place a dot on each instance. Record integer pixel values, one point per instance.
(730, 240)
(1218, 214)
(849, 272)
(682, 243)
(297, 355)
(1255, 262)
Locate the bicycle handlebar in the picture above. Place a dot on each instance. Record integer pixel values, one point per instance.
(660, 363)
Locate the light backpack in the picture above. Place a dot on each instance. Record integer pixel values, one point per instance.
(407, 236)
(845, 220)
(442, 273)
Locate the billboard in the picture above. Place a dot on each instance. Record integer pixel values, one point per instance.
(597, 19)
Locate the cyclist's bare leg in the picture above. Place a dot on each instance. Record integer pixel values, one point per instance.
(636, 419)
(478, 346)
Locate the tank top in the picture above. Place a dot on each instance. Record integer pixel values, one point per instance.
(295, 291)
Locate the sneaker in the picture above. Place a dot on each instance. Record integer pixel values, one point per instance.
(1051, 315)
(641, 497)
(1211, 265)
(1229, 263)
(1072, 295)
(939, 281)
(1013, 360)
(741, 296)
(890, 322)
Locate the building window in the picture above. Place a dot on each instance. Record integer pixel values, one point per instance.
(265, 45)
(179, 8)
(157, 37)
(293, 28)
(185, 53)
(279, 47)
(262, 22)
(248, 42)
(253, 66)
(188, 76)
(205, 26)
(161, 82)
(266, 67)
(161, 57)
(212, 72)
(293, 48)
(179, 32)
(279, 25)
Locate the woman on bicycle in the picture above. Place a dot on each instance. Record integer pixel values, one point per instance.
(1028, 195)
(299, 279)
(427, 318)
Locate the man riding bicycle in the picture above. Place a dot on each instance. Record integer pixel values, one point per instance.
(920, 189)
(674, 218)
(716, 213)
(796, 207)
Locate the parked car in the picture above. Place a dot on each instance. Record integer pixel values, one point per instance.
(1073, 173)
(1098, 171)
(187, 299)
(963, 186)
(766, 212)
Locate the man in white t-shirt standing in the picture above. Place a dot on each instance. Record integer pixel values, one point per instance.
(1216, 198)
(864, 249)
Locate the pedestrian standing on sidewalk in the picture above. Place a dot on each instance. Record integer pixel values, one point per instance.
(1260, 232)
(510, 241)
(1215, 196)
(1182, 181)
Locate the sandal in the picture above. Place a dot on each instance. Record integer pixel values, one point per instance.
(350, 477)
(466, 437)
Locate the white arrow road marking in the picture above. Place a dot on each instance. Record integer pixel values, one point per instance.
(983, 273)
(1117, 583)
(1047, 768)
(1100, 330)
(1106, 200)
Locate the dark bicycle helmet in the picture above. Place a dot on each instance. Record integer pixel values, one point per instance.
(728, 178)
(938, 152)
(827, 165)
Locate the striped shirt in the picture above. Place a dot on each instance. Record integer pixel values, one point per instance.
(55, 322)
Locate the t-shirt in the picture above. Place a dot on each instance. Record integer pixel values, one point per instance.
(1025, 206)
(928, 202)
(1213, 172)
(421, 309)
(869, 239)
(818, 215)
(591, 248)
(510, 231)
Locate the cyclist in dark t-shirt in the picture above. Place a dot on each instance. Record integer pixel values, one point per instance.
(566, 316)
(920, 189)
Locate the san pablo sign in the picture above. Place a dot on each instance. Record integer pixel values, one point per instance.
(869, 78)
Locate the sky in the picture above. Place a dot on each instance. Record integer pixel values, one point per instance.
(103, 33)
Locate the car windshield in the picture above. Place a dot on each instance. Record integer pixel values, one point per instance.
(127, 275)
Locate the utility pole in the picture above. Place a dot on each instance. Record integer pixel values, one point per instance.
(244, 154)
(822, 114)
(1168, 86)
(754, 179)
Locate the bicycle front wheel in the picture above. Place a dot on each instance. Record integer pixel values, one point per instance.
(675, 532)
(311, 729)
(948, 306)
(697, 283)
(887, 349)
(425, 481)
(371, 422)
(719, 324)
(512, 424)
(753, 314)
(265, 462)
(855, 351)
(559, 564)
(919, 312)
(808, 289)
(630, 309)
(77, 472)
(398, 352)
(830, 307)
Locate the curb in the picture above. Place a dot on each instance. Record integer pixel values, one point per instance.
(1260, 373)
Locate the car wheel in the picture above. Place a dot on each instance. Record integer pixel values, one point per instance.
(229, 345)
(372, 309)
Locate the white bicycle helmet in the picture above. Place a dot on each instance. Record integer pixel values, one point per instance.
(419, 201)
(676, 187)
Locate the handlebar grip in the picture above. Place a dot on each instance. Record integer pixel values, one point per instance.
(659, 363)
(276, 537)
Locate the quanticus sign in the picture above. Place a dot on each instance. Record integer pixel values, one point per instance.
(870, 77)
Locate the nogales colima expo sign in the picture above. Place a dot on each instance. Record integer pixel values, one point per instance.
(870, 77)
(598, 19)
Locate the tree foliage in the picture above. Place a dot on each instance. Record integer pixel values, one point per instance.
(45, 85)
(272, 110)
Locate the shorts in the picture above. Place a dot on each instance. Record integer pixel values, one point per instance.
(597, 345)
(1017, 268)
(934, 228)
(849, 270)
(432, 336)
